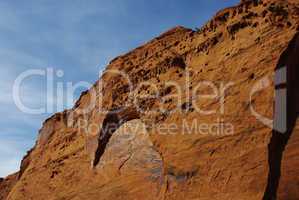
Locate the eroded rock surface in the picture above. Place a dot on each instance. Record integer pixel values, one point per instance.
(82, 156)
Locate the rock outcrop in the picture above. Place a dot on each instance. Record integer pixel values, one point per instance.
(7, 184)
(111, 144)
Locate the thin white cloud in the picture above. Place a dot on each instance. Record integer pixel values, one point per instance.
(9, 166)
(11, 156)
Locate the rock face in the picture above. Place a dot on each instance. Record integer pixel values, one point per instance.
(153, 141)
(6, 185)
(131, 156)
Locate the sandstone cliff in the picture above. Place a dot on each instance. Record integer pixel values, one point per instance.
(120, 154)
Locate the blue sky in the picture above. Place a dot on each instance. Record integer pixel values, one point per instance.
(80, 38)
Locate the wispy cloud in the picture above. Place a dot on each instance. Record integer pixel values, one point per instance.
(11, 153)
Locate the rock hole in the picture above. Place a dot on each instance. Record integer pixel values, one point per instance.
(114, 119)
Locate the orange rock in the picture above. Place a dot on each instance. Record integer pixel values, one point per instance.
(85, 156)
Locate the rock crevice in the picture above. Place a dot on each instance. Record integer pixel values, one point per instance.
(288, 61)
